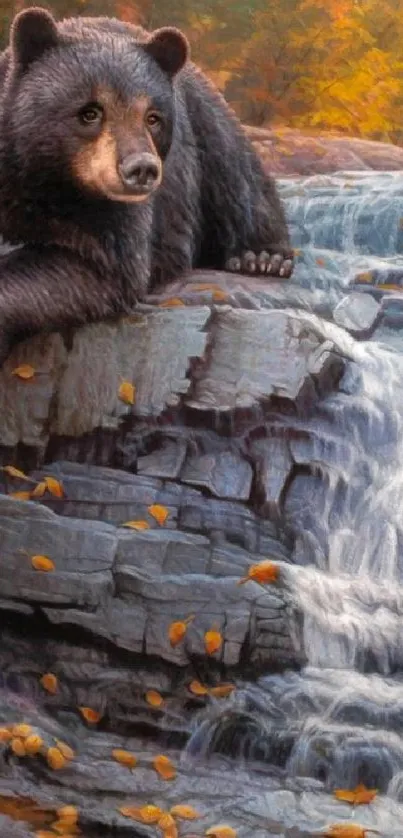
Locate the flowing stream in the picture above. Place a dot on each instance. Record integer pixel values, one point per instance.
(339, 721)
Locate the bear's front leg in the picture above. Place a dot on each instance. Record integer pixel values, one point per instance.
(273, 262)
(50, 289)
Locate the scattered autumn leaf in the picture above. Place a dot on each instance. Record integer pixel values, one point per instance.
(159, 512)
(222, 690)
(15, 472)
(164, 767)
(212, 641)
(68, 814)
(264, 573)
(221, 831)
(146, 814)
(137, 525)
(219, 294)
(127, 392)
(5, 734)
(65, 749)
(39, 490)
(18, 748)
(348, 830)
(42, 563)
(185, 813)
(44, 833)
(54, 487)
(50, 683)
(154, 698)
(90, 715)
(133, 812)
(177, 630)
(171, 303)
(356, 796)
(33, 744)
(20, 495)
(24, 371)
(124, 757)
(197, 688)
(55, 759)
(319, 261)
(23, 730)
(166, 821)
(65, 828)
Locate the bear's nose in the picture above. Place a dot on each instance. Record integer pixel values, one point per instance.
(140, 172)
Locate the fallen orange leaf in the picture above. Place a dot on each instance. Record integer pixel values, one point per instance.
(65, 828)
(24, 371)
(154, 698)
(55, 759)
(160, 513)
(50, 683)
(65, 749)
(33, 744)
(222, 690)
(22, 730)
(137, 525)
(39, 490)
(164, 767)
(197, 688)
(18, 748)
(319, 261)
(166, 821)
(127, 392)
(42, 563)
(177, 630)
(20, 495)
(356, 796)
(68, 813)
(218, 294)
(185, 813)
(90, 715)
(5, 734)
(348, 830)
(212, 641)
(124, 757)
(221, 831)
(146, 814)
(173, 301)
(264, 572)
(15, 472)
(54, 487)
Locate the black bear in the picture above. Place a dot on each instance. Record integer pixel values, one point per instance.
(120, 167)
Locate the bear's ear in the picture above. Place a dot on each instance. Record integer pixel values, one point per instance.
(170, 49)
(33, 31)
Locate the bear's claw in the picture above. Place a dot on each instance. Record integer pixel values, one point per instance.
(262, 264)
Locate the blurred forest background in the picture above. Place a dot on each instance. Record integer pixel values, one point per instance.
(328, 65)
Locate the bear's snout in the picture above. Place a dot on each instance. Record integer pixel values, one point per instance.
(140, 173)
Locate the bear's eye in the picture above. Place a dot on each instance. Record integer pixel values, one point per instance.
(153, 119)
(90, 114)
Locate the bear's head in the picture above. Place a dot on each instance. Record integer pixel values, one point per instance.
(93, 113)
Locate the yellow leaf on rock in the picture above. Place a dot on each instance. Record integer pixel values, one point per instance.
(197, 688)
(124, 757)
(65, 749)
(39, 490)
(55, 759)
(5, 734)
(68, 814)
(218, 295)
(127, 392)
(185, 813)
(222, 690)
(348, 830)
(264, 573)
(212, 641)
(154, 698)
(164, 767)
(33, 744)
(171, 303)
(54, 487)
(20, 495)
(15, 472)
(44, 833)
(42, 563)
(24, 371)
(221, 831)
(177, 630)
(90, 715)
(65, 828)
(132, 812)
(22, 730)
(50, 683)
(159, 512)
(18, 748)
(357, 796)
(151, 814)
(137, 525)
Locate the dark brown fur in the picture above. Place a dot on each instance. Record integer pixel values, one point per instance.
(91, 245)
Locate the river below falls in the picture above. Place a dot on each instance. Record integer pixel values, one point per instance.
(339, 722)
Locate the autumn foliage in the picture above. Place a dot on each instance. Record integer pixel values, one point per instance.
(303, 63)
